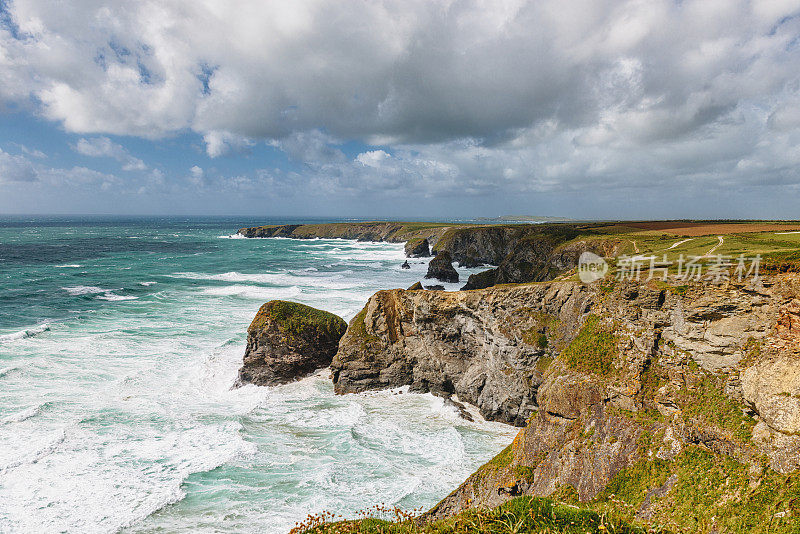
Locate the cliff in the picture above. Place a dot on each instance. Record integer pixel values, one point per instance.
(393, 232)
(676, 405)
(521, 252)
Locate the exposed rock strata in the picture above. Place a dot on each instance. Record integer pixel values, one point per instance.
(604, 377)
(476, 345)
(287, 341)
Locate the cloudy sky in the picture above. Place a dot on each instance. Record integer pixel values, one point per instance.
(401, 108)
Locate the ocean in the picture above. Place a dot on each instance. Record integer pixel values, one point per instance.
(120, 340)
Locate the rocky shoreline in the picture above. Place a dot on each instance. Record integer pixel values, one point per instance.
(623, 391)
(520, 252)
(603, 378)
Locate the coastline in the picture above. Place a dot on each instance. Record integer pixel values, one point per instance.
(400, 332)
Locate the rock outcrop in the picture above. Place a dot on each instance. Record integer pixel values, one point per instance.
(287, 341)
(417, 248)
(441, 268)
(482, 347)
(481, 280)
(626, 390)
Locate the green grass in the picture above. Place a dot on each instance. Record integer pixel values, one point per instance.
(594, 348)
(295, 319)
(705, 401)
(358, 329)
(536, 335)
(523, 515)
(709, 493)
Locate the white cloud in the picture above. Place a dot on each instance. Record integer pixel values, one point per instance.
(16, 169)
(465, 95)
(373, 158)
(219, 143)
(103, 147)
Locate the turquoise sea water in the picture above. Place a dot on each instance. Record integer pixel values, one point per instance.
(119, 343)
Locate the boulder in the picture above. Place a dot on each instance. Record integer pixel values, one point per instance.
(435, 287)
(405, 265)
(418, 248)
(441, 268)
(287, 341)
(415, 287)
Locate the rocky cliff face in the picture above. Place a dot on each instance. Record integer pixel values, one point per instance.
(441, 268)
(287, 341)
(417, 247)
(628, 392)
(362, 231)
(522, 252)
(481, 346)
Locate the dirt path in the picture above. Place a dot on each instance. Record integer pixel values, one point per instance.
(715, 247)
(677, 243)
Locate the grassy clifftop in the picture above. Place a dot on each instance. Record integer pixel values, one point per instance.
(395, 232)
(518, 516)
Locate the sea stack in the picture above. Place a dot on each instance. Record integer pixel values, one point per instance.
(441, 268)
(287, 341)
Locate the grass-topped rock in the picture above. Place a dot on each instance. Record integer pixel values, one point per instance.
(287, 341)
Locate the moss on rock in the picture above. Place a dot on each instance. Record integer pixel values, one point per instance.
(289, 340)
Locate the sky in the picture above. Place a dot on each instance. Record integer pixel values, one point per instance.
(401, 108)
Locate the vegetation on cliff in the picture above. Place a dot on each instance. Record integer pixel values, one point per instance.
(667, 405)
(295, 319)
(594, 348)
(523, 515)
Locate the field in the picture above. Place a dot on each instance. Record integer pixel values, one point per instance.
(703, 239)
(694, 229)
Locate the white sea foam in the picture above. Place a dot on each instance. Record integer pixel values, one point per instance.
(84, 290)
(24, 334)
(146, 284)
(253, 292)
(68, 266)
(303, 278)
(23, 415)
(264, 278)
(114, 297)
(142, 409)
(232, 236)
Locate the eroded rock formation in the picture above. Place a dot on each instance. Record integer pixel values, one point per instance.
(441, 268)
(614, 382)
(287, 341)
